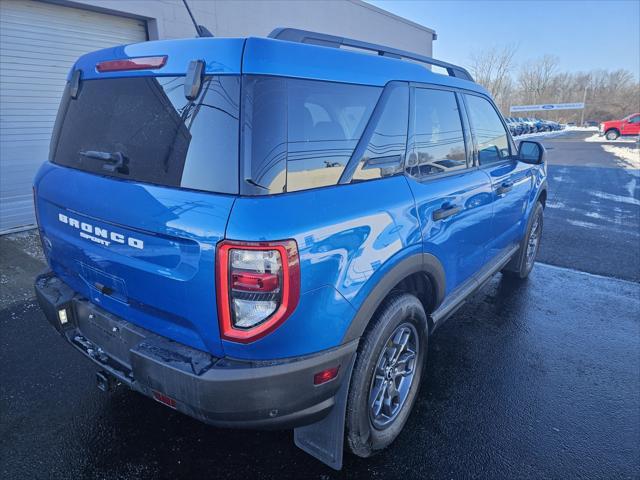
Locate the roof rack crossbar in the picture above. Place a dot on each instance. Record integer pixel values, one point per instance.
(323, 39)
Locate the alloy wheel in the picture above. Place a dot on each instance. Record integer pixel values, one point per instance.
(533, 242)
(393, 376)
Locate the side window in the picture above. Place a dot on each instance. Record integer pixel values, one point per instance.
(264, 133)
(635, 119)
(299, 134)
(325, 122)
(436, 144)
(491, 136)
(384, 153)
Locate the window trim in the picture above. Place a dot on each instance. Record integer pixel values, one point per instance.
(470, 164)
(369, 130)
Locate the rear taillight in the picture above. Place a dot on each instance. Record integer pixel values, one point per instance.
(258, 287)
(139, 63)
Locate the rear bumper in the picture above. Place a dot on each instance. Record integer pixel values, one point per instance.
(219, 391)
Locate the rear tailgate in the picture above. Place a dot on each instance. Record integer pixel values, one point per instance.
(140, 186)
(142, 252)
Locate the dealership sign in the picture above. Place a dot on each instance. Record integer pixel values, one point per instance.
(547, 106)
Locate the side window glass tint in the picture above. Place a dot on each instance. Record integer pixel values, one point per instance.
(635, 119)
(437, 140)
(385, 149)
(325, 122)
(490, 134)
(264, 133)
(299, 134)
(217, 116)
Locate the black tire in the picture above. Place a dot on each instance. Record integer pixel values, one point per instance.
(401, 312)
(522, 262)
(612, 134)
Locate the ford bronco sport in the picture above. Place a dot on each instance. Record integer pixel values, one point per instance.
(264, 232)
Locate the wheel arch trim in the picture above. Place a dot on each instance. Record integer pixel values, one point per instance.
(542, 189)
(417, 263)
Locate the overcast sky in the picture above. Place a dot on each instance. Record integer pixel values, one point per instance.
(583, 34)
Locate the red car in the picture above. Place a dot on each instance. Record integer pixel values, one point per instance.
(627, 126)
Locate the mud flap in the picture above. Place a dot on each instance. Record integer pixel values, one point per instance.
(324, 440)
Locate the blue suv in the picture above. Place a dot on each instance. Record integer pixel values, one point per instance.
(264, 232)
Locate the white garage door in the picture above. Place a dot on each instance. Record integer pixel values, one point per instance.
(39, 42)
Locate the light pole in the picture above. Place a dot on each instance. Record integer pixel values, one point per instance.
(584, 100)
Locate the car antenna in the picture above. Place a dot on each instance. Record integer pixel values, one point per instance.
(201, 30)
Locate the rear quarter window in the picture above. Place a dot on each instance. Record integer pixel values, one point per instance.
(300, 134)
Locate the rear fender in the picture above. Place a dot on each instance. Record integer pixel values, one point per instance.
(420, 262)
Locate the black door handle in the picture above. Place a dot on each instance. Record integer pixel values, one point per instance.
(504, 188)
(445, 212)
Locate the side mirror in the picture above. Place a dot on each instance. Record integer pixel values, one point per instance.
(531, 152)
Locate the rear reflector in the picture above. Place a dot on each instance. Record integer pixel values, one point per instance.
(254, 282)
(325, 375)
(162, 398)
(139, 63)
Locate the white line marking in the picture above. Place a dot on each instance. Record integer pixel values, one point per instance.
(594, 275)
(616, 198)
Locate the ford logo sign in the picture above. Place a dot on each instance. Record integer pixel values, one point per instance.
(547, 107)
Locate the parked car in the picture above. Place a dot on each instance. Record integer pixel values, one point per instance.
(537, 126)
(250, 232)
(530, 125)
(551, 126)
(613, 129)
(516, 128)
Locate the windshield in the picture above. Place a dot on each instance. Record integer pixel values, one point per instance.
(144, 129)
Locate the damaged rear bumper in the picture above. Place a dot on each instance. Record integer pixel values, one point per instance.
(219, 391)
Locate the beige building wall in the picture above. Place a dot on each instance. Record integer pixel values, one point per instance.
(241, 18)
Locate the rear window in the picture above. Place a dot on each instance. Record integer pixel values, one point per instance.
(300, 134)
(144, 129)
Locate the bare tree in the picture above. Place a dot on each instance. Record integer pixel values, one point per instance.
(607, 94)
(492, 69)
(536, 77)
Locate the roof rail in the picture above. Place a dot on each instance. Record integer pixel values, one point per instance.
(323, 39)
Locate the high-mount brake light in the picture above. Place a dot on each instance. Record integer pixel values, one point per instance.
(258, 287)
(139, 63)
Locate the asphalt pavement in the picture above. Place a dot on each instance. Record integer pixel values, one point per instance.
(592, 219)
(534, 380)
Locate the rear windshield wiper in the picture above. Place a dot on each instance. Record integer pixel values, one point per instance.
(116, 161)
